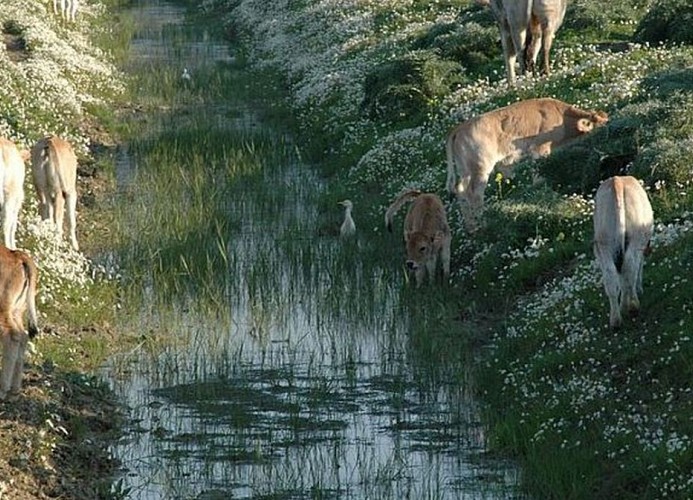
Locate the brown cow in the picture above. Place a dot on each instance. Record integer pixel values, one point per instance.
(54, 169)
(11, 189)
(499, 138)
(623, 222)
(18, 278)
(426, 233)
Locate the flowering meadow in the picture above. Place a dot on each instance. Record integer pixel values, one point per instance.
(375, 86)
(55, 80)
(54, 77)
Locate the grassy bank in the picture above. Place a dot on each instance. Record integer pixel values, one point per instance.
(589, 413)
(61, 78)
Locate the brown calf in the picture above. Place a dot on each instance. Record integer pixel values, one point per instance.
(426, 233)
(18, 279)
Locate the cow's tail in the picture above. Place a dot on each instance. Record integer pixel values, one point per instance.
(30, 285)
(402, 198)
(621, 236)
(3, 169)
(51, 154)
(452, 167)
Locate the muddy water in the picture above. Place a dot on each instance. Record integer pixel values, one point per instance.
(319, 382)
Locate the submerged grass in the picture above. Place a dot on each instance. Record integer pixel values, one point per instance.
(591, 413)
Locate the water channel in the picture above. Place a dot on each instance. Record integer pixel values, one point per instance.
(315, 382)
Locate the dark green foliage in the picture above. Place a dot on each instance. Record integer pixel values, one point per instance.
(668, 82)
(472, 44)
(404, 89)
(576, 167)
(11, 27)
(600, 16)
(667, 21)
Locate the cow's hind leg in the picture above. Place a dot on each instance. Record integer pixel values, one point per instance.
(71, 202)
(612, 284)
(631, 275)
(445, 258)
(44, 206)
(59, 213)
(10, 352)
(18, 374)
(475, 202)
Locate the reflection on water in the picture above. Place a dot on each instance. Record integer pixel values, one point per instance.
(315, 385)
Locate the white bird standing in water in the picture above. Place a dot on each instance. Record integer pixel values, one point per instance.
(186, 75)
(348, 227)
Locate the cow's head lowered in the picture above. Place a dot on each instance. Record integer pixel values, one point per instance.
(584, 121)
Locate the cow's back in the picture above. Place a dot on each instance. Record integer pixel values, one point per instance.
(639, 215)
(11, 279)
(427, 215)
(54, 165)
(525, 123)
(550, 11)
(12, 166)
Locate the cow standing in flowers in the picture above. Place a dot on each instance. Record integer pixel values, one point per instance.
(499, 138)
(526, 27)
(54, 171)
(623, 224)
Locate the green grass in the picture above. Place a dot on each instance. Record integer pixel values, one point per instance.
(579, 406)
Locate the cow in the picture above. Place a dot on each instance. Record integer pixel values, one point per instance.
(623, 222)
(547, 16)
(521, 21)
(18, 283)
(68, 9)
(512, 17)
(54, 172)
(499, 138)
(348, 227)
(12, 192)
(426, 233)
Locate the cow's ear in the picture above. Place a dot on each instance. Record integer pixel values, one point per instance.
(584, 125)
(600, 118)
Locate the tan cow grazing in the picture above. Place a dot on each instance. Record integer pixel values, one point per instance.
(54, 170)
(499, 138)
(12, 192)
(623, 224)
(18, 278)
(426, 233)
(547, 16)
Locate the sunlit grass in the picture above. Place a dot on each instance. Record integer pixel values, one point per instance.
(535, 248)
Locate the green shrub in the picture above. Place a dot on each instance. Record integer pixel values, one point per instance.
(472, 44)
(11, 27)
(667, 21)
(600, 16)
(404, 89)
(669, 82)
(576, 167)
